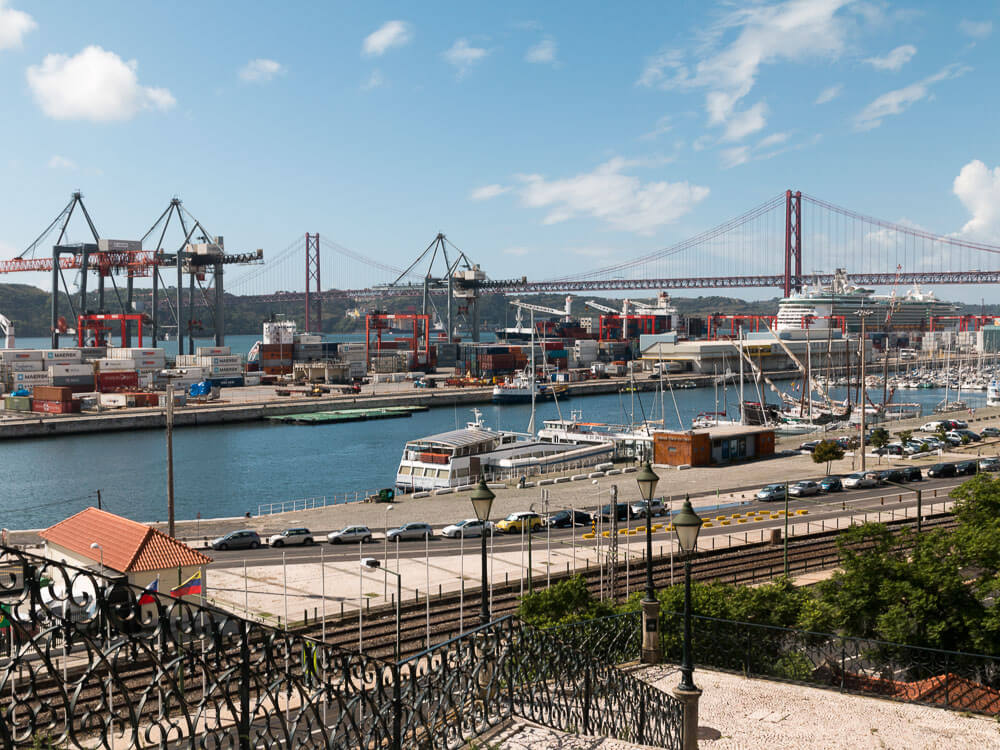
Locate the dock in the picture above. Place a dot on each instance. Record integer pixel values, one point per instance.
(347, 415)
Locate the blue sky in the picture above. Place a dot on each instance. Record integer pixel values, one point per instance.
(542, 138)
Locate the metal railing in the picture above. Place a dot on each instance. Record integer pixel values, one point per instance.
(311, 503)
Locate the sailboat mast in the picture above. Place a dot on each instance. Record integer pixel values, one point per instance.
(742, 402)
(532, 384)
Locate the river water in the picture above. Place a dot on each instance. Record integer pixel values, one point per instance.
(227, 470)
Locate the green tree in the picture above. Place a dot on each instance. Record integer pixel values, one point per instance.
(563, 602)
(942, 433)
(826, 452)
(905, 436)
(879, 439)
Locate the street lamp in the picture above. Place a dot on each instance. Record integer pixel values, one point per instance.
(372, 564)
(647, 481)
(482, 502)
(687, 524)
(385, 546)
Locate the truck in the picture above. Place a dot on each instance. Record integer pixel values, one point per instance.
(385, 495)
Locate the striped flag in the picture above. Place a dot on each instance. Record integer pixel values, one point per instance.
(149, 595)
(191, 586)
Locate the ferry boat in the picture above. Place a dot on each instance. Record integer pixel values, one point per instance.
(518, 390)
(458, 458)
(634, 443)
(993, 393)
(818, 307)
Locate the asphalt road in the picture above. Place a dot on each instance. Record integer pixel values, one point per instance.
(823, 507)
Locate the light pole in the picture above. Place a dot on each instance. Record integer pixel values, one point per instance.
(372, 564)
(687, 524)
(647, 481)
(863, 314)
(919, 494)
(385, 547)
(482, 502)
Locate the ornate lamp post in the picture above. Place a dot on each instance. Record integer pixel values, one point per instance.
(687, 524)
(482, 502)
(647, 481)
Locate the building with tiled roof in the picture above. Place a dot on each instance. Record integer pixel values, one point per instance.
(138, 552)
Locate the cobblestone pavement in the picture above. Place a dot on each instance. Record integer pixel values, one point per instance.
(745, 714)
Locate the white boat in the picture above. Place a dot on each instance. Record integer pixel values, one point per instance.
(628, 442)
(993, 393)
(520, 388)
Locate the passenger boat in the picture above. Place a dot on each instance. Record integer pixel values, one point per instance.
(993, 393)
(520, 388)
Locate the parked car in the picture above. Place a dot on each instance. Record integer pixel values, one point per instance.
(972, 435)
(933, 426)
(803, 488)
(965, 468)
(624, 512)
(350, 535)
(771, 492)
(845, 441)
(859, 481)
(953, 438)
(809, 445)
(892, 449)
(655, 506)
(291, 536)
(989, 463)
(563, 520)
(469, 527)
(891, 475)
(912, 474)
(831, 484)
(942, 470)
(243, 539)
(933, 443)
(990, 432)
(515, 523)
(409, 531)
(957, 424)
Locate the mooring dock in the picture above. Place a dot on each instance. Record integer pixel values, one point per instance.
(347, 415)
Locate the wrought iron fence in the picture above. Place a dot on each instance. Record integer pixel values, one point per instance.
(865, 666)
(87, 661)
(616, 639)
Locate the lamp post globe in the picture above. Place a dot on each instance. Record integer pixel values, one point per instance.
(687, 524)
(647, 481)
(482, 503)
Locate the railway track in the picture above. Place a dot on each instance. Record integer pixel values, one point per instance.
(449, 615)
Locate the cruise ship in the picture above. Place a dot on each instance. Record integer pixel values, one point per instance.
(820, 306)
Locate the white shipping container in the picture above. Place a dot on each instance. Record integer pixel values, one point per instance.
(186, 359)
(212, 351)
(134, 353)
(30, 378)
(21, 355)
(59, 370)
(148, 365)
(61, 355)
(115, 365)
(251, 378)
(27, 366)
(115, 400)
(309, 338)
(229, 359)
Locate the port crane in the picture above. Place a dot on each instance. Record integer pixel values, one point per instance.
(565, 314)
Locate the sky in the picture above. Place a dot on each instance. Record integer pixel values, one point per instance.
(542, 138)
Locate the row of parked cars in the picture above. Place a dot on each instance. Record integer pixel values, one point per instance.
(515, 523)
(868, 479)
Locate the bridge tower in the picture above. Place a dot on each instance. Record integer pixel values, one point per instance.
(312, 272)
(793, 240)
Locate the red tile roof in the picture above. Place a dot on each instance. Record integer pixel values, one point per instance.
(128, 546)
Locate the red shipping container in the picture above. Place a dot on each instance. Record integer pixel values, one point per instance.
(55, 407)
(108, 382)
(144, 399)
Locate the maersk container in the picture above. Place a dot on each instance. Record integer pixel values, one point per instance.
(30, 378)
(61, 355)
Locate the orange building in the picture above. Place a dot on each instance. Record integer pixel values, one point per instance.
(719, 445)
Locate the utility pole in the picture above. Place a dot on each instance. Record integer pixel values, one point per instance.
(99, 500)
(613, 546)
(170, 459)
(863, 314)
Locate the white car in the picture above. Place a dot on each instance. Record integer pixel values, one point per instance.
(469, 527)
(931, 426)
(859, 481)
(291, 537)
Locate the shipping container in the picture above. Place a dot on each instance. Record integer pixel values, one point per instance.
(85, 381)
(52, 393)
(28, 378)
(61, 370)
(26, 365)
(55, 407)
(21, 355)
(234, 382)
(115, 365)
(213, 351)
(134, 353)
(17, 403)
(113, 381)
(61, 355)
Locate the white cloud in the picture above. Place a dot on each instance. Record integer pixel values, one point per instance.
(978, 187)
(976, 29)
(663, 125)
(742, 124)
(617, 199)
(543, 52)
(463, 56)
(14, 24)
(774, 139)
(733, 157)
(486, 192)
(794, 30)
(894, 60)
(61, 162)
(829, 93)
(261, 70)
(388, 35)
(373, 81)
(897, 101)
(94, 85)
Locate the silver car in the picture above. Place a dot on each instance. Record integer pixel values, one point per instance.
(801, 489)
(411, 531)
(655, 506)
(469, 527)
(291, 536)
(349, 535)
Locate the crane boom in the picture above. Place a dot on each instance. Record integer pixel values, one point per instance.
(566, 314)
(137, 263)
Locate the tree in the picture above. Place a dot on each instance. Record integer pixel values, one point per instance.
(826, 452)
(942, 433)
(879, 439)
(905, 436)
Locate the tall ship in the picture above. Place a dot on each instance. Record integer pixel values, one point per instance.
(819, 307)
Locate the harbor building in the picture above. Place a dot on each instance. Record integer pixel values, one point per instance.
(715, 446)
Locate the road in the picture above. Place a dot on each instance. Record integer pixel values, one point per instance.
(821, 508)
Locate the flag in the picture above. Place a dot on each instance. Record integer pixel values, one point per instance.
(4, 616)
(191, 586)
(149, 595)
